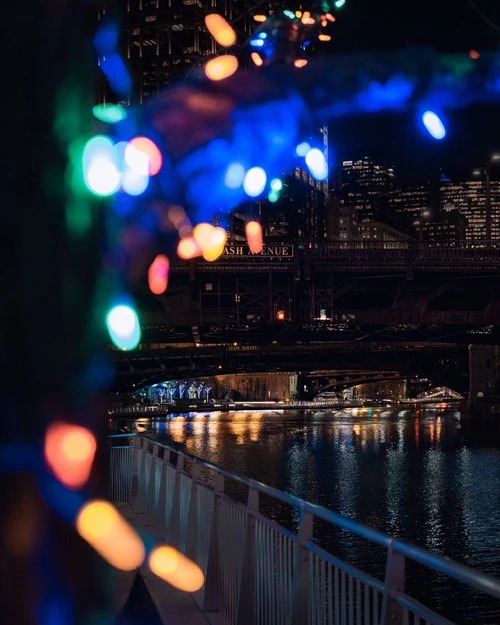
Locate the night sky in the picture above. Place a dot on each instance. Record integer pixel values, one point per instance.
(445, 25)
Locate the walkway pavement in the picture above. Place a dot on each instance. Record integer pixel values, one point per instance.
(141, 597)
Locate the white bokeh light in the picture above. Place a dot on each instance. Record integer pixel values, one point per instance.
(102, 176)
(255, 181)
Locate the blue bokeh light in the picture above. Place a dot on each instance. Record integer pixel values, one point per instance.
(317, 165)
(235, 175)
(302, 149)
(134, 183)
(434, 125)
(255, 181)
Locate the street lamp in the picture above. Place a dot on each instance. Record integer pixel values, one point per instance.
(486, 170)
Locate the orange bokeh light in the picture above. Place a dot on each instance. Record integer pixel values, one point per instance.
(171, 566)
(145, 145)
(69, 452)
(215, 246)
(158, 274)
(253, 231)
(202, 234)
(188, 248)
(300, 63)
(474, 54)
(103, 527)
(221, 67)
(220, 29)
(256, 59)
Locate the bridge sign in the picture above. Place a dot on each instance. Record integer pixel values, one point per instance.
(237, 251)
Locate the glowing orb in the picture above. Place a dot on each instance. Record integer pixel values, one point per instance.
(123, 327)
(434, 125)
(176, 569)
(253, 231)
(102, 526)
(316, 162)
(220, 29)
(158, 274)
(133, 183)
(102, 176)
(153, 154)
(234, 176)
(255, 181)
(221, 67)
(69, 452)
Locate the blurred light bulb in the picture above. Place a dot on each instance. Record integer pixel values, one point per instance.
(215, 246)
(221, 67)
(69, 452)
(103, 527)
(173, 567)
(188, 248)
(235, 175)
(300, 63)
(434, 125)
(316, 162)
(220, 29)
(153, 154)
(158, 274)
(253, 231)
(255, 181)
(256, 59)
(123, 327)
(102, 176)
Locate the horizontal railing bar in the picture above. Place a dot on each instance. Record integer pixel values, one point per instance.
(460, 572)
(120, 447)
(292, 500)
(420, 610)
(127, 434)
(373, 582)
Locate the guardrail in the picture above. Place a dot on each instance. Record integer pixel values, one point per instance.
(258, 572)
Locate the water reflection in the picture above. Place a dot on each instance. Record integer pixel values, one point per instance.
(414, 473)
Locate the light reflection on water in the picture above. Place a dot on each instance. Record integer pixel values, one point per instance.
(415, 474)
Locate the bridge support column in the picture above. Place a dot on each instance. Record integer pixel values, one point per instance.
(484, 382)
(484, 370)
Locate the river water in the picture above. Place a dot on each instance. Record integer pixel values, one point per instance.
(424, 476)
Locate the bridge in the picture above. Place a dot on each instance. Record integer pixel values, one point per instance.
(408, 283)
(260, 571)
(360, 361)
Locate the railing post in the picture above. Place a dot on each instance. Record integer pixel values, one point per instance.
(394, 583)
(160, 522)
(142, 485)
(247, 608)
(212, 578)
(174, 537)
(300, 584)
(192, 526)
(151, 497)
(136, 469)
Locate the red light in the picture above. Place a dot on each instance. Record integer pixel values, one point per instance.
(143, 144)
(158, 274)
(69, 452)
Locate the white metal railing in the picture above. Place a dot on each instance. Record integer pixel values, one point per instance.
(257, 572)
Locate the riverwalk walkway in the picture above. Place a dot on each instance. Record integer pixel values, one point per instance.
(259, 571)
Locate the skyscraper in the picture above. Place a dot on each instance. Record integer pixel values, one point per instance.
(163, 40)
(362, 183)
(469, 199)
